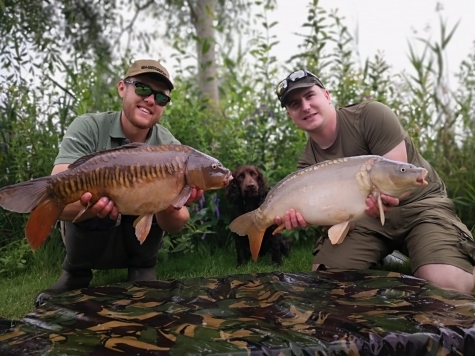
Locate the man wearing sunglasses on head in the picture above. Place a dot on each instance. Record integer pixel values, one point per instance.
(102, 238)
(424, 226)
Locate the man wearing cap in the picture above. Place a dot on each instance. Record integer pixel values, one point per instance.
(102, 238)
(424, 226)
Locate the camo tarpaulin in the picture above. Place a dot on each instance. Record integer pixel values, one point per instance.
(316, 313)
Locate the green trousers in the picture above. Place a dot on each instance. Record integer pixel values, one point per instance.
(99, 244)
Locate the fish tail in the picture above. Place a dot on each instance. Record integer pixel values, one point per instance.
(24, 197)
(246, 225)
(41, 221)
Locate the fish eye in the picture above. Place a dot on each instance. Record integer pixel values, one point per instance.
(214, 165)
(403, 169)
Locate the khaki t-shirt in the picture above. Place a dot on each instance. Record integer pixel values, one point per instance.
(372, 128)
(90, 133)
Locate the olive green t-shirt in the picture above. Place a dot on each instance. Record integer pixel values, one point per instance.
(371, 128)
(90, 133)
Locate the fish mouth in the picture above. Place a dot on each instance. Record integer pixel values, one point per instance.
(421, 179)
(227, 179)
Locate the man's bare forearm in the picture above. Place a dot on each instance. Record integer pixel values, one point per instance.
(171, 220)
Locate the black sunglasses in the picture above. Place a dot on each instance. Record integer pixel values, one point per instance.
(295, 76)
(144, 91)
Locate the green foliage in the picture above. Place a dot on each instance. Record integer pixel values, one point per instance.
(35, 34)
(15, 258)
(203, 219)
(28, 145)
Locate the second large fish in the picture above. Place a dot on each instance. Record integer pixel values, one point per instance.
(331, 193)
(139, 179)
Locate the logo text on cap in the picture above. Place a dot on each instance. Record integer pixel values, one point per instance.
(155, 68)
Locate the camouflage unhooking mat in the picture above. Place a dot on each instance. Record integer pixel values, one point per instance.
(316, 313)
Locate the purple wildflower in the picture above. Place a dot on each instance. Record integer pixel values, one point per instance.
(202, 201)
(216, 205)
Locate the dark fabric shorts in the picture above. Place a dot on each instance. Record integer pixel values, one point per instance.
(99, 244)
(428, 231)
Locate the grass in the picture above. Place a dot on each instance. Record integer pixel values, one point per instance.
(20, 290)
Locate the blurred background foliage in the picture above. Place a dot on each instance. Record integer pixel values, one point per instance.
(59, 59)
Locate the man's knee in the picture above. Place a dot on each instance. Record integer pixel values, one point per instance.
(447, 276)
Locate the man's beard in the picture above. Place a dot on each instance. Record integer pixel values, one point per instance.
(129, 115)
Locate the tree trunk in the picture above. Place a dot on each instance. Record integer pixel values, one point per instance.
(203, 16)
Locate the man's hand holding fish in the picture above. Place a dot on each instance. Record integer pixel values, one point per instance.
(372, 207)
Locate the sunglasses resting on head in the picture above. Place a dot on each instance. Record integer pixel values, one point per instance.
(284, 85)
(144, 91)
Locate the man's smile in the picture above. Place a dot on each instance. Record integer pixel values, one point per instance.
(144, 110)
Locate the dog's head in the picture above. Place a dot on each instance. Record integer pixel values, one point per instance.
(248, 182)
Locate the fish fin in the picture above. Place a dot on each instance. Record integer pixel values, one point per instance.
(86, 158)
(278, 229)
(337, 233)
(84, 209)
(381, 210)
(255, 237)
(142, 226)
(41, 221)
(245, 225)
(242, 223)
(25, 196)
(181, 199)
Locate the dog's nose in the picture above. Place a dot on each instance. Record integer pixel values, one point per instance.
(251, 185)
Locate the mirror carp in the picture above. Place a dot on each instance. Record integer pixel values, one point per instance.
(140, 179)
(331, 193)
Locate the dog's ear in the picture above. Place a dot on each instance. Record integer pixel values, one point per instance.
(233, 191)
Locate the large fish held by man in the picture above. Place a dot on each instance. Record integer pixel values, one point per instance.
(140, 179)
(331, 193)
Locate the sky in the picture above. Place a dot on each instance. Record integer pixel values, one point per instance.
(386, 25)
